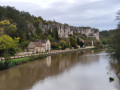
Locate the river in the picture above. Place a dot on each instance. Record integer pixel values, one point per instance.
(73, 71)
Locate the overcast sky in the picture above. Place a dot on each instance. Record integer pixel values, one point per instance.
(95, 13)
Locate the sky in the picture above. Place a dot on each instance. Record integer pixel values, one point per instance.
(99, 14)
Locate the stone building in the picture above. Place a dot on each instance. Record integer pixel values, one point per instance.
(40, 46)
(36, 47)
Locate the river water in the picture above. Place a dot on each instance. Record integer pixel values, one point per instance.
(73, 71)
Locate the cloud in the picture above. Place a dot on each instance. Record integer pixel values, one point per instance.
(95, 0)
(95, 13)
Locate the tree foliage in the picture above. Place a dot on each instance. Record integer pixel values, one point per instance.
(73, 42)
(7, 27)
(80, 43)
(97, 44)
(7, 44)
(51, 38)
(115, 41)
(106, 35)
(63, 44)
(54, 45)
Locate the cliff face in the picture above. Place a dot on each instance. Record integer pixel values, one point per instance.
(65, 30)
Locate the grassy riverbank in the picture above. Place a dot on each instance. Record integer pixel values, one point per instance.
(13, 62)
(8, 62)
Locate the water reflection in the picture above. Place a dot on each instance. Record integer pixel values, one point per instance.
(113, 69)
(73, 71)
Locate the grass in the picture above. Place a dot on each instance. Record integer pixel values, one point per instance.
(10, 63)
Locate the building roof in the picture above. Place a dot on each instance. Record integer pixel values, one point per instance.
(37, 44)
(43, 41)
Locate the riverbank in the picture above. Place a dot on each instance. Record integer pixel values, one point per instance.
(5, 64)
(16, 60)
(52, 52)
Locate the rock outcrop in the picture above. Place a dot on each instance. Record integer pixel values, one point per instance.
(65, 30)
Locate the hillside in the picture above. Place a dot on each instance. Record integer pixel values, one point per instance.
(31, 28)
(105, 36)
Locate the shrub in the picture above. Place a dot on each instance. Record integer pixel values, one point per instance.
(32, 58)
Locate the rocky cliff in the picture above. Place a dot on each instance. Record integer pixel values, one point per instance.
(65, 30)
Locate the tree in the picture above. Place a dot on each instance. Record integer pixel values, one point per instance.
(54, 45)
(97, 44)
(17, 39)
(24, 45)
(73, 42)
(80, 43)
(7, 44)
(1, 31)
(55, 34)
(63, 44)
(115, 40)
(51, 38)
(8, 28)
(115, 44)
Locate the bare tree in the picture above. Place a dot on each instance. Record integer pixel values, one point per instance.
(118, 18)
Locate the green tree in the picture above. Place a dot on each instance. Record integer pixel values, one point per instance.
(1, 31)
(7, 44)
(55, 34)
(115, 41)
(54, 45)
(80, 43)
(17, 39)
(24, 45)
(59, 47)
(63, 44)
(51, 38)
(73, 42)
(115, 44)
(97, 44)
(8, 28)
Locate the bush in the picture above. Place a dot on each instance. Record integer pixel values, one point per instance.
(2, 65)
(59, 47)
(54, 45)
(98, 44)
(32, 58)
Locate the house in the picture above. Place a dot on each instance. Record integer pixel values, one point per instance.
(46, 44)
(40, 46)
(36, 47)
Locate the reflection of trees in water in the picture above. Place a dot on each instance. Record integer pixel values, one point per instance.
(115, 63)
(89, 57)
(26, 75)
(114, 66)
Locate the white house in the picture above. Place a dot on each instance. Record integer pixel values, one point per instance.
(46, 44)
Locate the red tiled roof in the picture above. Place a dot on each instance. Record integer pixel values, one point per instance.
(37, 44)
